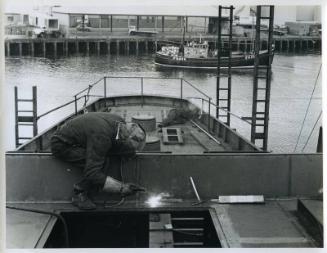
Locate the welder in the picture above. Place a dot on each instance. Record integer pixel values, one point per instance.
(86, 141)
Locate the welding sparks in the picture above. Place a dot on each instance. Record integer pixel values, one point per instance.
(156, 200)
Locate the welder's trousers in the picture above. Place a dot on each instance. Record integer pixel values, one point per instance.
(92, 180)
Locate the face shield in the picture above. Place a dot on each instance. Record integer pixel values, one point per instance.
(136, 136)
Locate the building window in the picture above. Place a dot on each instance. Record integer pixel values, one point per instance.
(94, 21)
(74, 20)
(25, 19)
(53, 23)
(105, 22)
(10, 19)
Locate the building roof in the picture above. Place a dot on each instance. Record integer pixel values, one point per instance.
(146, 10)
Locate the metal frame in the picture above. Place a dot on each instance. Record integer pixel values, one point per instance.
(224, 93)
(260, 118)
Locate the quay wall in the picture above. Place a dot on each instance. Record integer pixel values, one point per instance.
(125, 45)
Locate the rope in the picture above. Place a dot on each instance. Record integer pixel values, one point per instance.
(306, 113)
(312, 131)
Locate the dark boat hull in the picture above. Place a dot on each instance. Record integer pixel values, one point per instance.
(237, 61)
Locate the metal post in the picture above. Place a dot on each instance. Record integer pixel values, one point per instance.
(75, 104)
(209, 107)
(16, 116)
(142, 90)
(105, 86)
(181, 88)
(55, 49)
(35, 130)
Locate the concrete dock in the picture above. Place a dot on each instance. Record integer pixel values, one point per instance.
(126, 44)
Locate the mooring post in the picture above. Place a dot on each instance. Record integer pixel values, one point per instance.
(156, 45)
(294, 45)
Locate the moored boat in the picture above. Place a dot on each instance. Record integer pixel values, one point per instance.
(198, 55)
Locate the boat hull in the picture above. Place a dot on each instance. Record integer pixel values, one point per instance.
(238, 61)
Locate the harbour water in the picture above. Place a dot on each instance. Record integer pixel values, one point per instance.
(57, 80)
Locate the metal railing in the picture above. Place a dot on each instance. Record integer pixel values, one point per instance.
(85, 93)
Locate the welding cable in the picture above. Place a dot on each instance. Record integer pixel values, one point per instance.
(58, 216)
(122, 200)
(306, 113)
(311, 131)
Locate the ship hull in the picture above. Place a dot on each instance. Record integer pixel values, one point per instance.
(237, 61)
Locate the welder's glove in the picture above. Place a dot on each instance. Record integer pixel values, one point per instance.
(130, 189)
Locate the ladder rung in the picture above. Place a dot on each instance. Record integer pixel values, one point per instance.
(260, 113)
(25, 111)
(25, 124)
(223, 99)
(265, 17)
(259, 125)
(262, 77)
(223, 89)
(225, 34)
(260, 101)
(24, 100)
(259, 135)
(261, 89)
(24, 138)
(227, 8)
(25, 119)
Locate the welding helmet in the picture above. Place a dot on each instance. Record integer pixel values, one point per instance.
(136, 136)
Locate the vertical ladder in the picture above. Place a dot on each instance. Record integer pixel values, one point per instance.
(224, 93)
(23, 120)
(261, 82)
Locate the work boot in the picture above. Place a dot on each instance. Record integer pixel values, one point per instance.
(82, 201)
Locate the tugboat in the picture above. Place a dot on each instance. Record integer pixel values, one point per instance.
(198, 55)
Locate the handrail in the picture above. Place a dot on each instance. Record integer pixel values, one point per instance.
(220, 108)
(59, 107)
(196, 88)
(88, 89)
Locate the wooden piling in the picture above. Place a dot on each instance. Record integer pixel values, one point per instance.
(8, 49)
(98, 48)
(32, 50)
(55, 49)
(146, 46)
(137, 47)
(117, 47)
(108, 46)
(20, 49)
(87, 48)
(44, 48)
(127, 47)
(65, 48)
(77, 46)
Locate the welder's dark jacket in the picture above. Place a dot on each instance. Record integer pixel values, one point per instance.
(96, 133)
